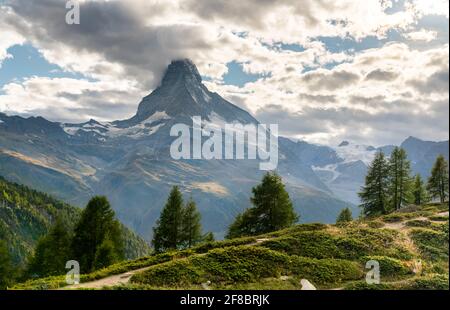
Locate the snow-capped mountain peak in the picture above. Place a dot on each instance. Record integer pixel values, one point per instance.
(350, 152)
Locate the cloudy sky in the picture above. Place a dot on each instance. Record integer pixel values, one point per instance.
(372, 71)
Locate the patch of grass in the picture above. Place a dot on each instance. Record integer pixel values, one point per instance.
(350, 243)
(430, 282)
(390, 268)
(363, 285)
(245, 264)
(206, 246)
(375, 224)
(296, 229)
(393, 218)
(49, 283)
(432, 244)
(418, 223)
(438, 218)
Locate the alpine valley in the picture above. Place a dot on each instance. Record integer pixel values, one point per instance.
(129, 160)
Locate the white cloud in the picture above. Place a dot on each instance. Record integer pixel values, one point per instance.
(71, 100)
(126, 45)
(421, 35)
(9, 36)
(432, 7)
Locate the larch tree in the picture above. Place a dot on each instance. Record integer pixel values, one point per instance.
(374, 194)
(438, 182)
(399, 179)
(167, 234)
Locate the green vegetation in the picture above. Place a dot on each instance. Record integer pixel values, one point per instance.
(344, 217)
(51, 253)
(390, 268)
(245, 264)
(433, 245)
(6, 267)
(97, 240)
(374, 195)
(438, 181)
(37, 231)
(272, 210)
(167, 234)
(26, 215)
(329, 256)
(399, 179)
(178, 226)
(429, 282)
(389, 186)
(419, 191)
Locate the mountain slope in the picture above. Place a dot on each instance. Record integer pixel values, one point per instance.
(26, 215)
(129, 160)
(343, 168)
(328, 256)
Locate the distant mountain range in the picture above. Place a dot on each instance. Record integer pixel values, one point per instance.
(129, 160)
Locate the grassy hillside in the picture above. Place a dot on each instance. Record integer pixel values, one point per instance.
(26, 215)
(329, 256)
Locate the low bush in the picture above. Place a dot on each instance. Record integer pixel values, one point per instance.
(389, 267)
(430, 282)
(438, 218)
(418, 223)
(363, 285)
(432, 244)
(206, 246)
(375, 224)
(393, 218)
(244, 265)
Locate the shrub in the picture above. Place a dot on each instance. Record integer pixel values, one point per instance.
(352, 243)
(438, 218)
(297, 228)
(393, 218)
(326, 271)
(245, 264)
(432, 244)
(389, 267)
(375, 224)
(206, 246)
(432, 282)
(363, 285)
(418, 223)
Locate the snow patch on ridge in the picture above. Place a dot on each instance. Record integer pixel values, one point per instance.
(109, 130)
(353, 152)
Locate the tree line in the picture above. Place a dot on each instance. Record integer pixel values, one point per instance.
(389, 185)
(95, 242)
(179, 225)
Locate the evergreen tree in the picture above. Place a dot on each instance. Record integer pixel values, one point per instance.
(97, 224)
(438, 182)
(345, 216)
(273, 209)
(419, 191)
(167, 234)
(243, 225)
(399, 179)
(208, 237)
(191, 226)
(374, 193)
(105, 255)
(6, 267)
(51, 253)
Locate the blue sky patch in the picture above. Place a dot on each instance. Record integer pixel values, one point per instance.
(26, 62)
(236, 75)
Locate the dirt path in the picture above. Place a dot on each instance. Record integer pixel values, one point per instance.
(401, 225)
(124, 278)
(114, 280)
